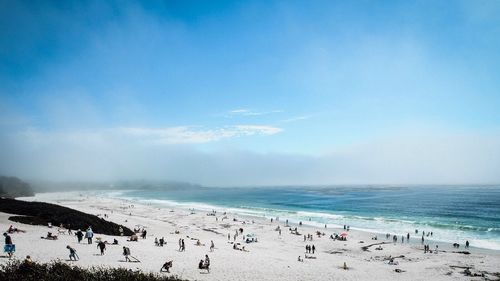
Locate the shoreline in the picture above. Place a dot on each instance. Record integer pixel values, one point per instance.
(204, 207)
(274, 257)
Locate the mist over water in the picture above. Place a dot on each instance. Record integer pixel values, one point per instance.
(452, 213)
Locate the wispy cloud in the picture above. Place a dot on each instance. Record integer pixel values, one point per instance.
(168, 135)
(296, 118)
(188, 134)
(249, 112)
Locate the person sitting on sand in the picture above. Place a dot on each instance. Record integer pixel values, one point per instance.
(198, 243)
(310, 257)
(156, 242)
(115, 242)
(200, 265)
(28, 259)
(15, 229)
(72, 254)
(393, 262)
(133, 238)
(167, 265)
(300, 259)
(50, 236)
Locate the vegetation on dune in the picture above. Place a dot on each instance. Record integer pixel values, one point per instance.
(58, 271)
(39, 213)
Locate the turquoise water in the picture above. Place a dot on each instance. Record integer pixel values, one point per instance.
(452, 213)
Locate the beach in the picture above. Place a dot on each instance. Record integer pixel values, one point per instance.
(273, 257)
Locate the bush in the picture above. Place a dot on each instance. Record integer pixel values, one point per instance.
(58, 271)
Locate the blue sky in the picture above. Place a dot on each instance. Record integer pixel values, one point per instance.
(254, 82)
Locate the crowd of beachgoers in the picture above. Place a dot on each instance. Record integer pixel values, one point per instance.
(218, 245)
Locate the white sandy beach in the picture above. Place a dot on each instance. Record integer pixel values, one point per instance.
(273, 257)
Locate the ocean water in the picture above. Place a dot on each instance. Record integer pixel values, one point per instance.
(452, 213)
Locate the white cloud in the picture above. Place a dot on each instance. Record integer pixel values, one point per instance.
(186, 134)
(168, 135)
(296, 118)
(249, 112)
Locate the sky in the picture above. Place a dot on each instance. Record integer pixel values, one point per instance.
(237, 93)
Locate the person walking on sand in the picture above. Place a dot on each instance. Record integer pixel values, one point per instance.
(408, 237)
(180, 244)
(183, 246)
(212, 245)
(72, 254)
(207, 263)
(313, 249)
(126, 253)
(467, 244)
(8, 239)
(79, 235)
(89, 234)
(9, 247)
(102, 246)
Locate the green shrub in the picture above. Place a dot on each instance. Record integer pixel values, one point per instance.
(58, 271)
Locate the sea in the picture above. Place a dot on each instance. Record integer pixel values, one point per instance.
(453, 214)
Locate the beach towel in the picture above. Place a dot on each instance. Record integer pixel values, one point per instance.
(9, 248)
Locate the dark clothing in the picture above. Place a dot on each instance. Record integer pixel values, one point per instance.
(102, 247)
(79, 235)
(8, 240)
